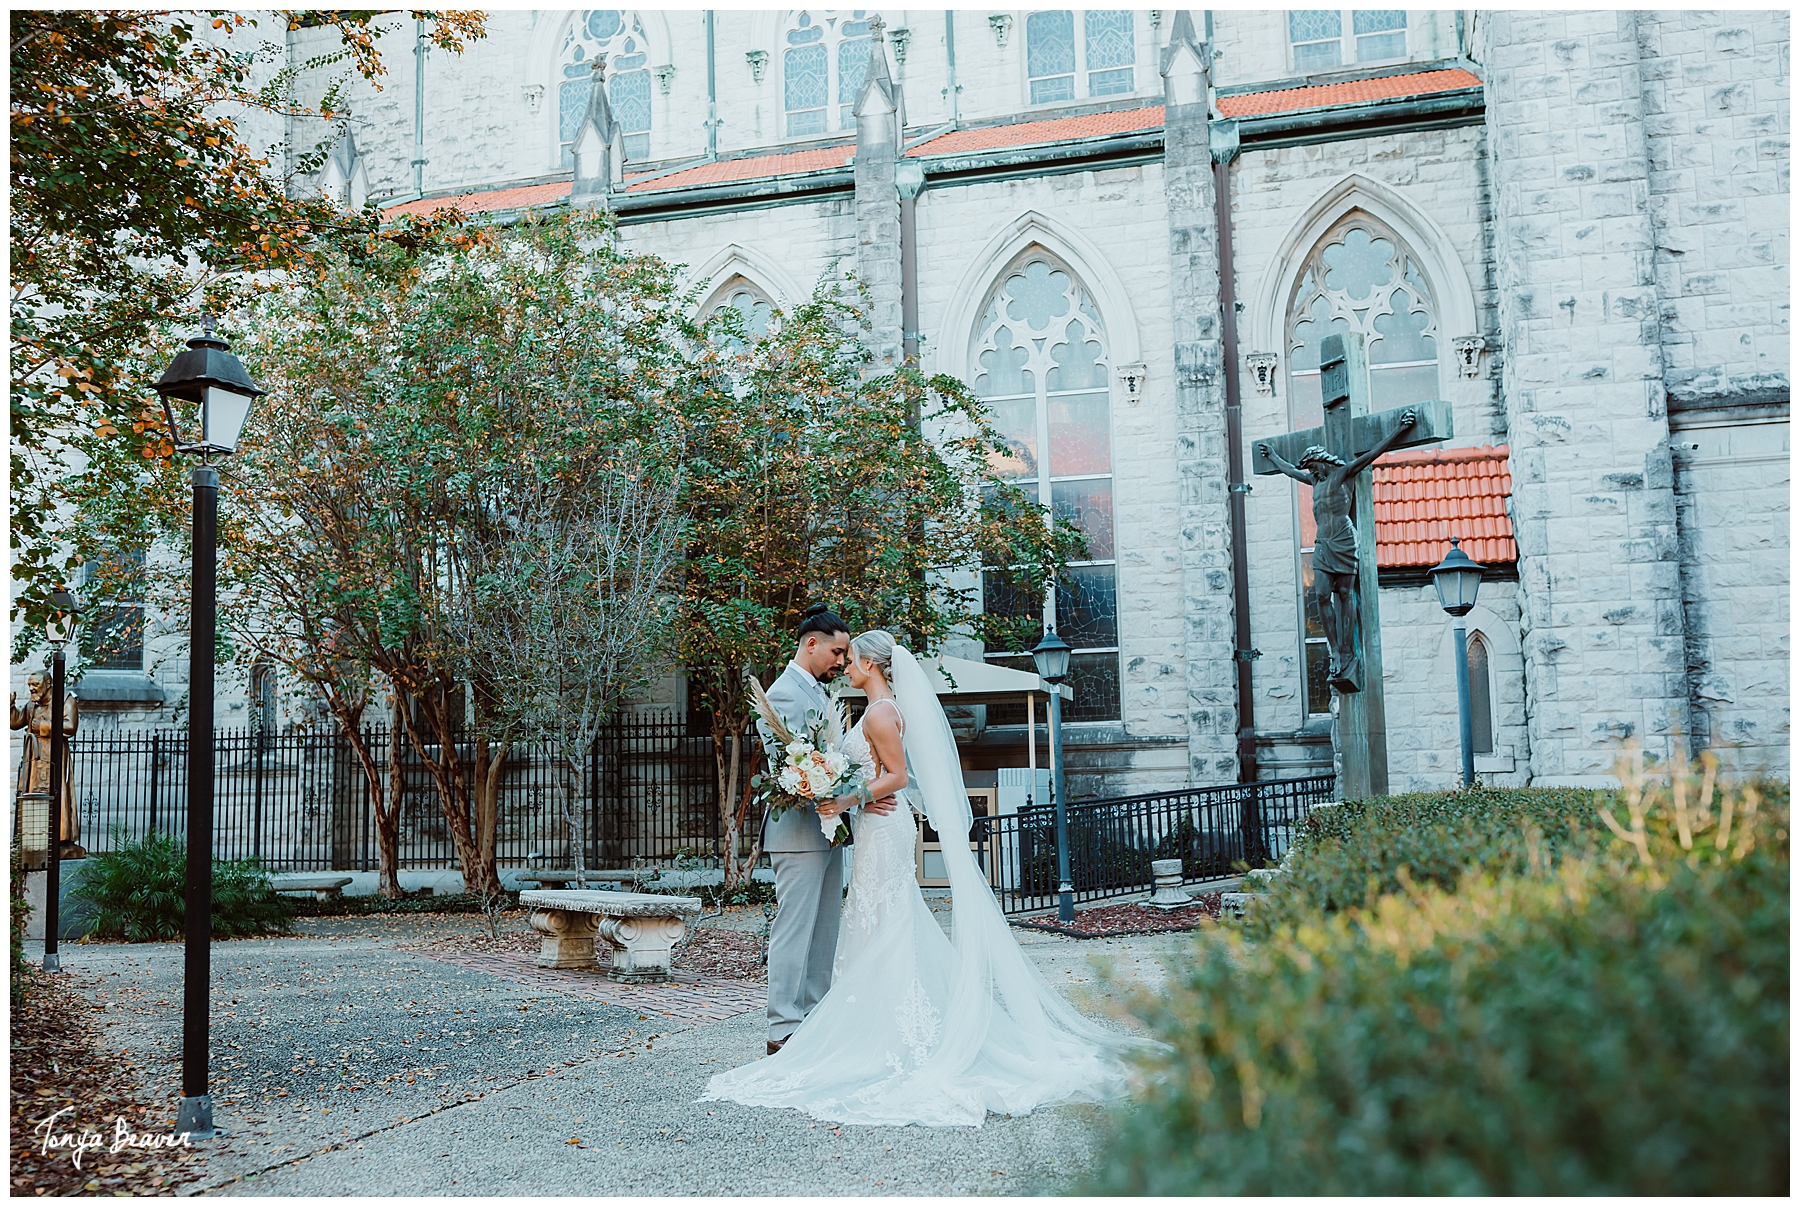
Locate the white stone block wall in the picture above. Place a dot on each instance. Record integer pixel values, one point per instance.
(1732, 482)
(1715, 97)
(1593, 491)
(1434, 173)
(1419, 674)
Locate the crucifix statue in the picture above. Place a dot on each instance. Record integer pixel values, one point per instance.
(1334, 460)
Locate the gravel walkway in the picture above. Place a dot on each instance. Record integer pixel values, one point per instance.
(347, 1060)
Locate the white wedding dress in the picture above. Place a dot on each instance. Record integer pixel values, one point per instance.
(917, 1027)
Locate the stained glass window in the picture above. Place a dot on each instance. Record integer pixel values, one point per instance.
(114, 637)
(1050, 56)
(1318, 36)
(1040, 362)
(1062, 67)
(619, 35)
(823, 66)
(1110, 52)
(1359, 276)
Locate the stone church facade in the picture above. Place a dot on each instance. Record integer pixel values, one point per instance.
(1130, 230)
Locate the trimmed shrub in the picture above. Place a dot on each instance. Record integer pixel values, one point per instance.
(138, 892)
(1613, 1021)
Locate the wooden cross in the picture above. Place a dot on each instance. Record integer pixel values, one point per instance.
(1349, 432)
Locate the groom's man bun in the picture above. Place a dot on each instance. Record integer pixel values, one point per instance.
(822, 620)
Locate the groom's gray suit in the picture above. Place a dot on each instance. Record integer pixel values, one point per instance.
(809, 878)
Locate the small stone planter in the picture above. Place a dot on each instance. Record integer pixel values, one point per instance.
(641, 928)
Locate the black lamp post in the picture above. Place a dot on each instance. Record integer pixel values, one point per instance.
(59, 629)
(1052, 658)
(206, 398)
(1457, 579)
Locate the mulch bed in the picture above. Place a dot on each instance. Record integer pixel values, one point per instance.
(57, 1063)
(1112, 921)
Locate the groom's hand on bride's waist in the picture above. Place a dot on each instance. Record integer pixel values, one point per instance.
(882, 807)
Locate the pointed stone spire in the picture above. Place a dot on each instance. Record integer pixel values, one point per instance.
(1184, 64)
(878, 201)
(599, 145)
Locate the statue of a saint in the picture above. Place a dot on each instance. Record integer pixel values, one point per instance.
(1334, 559)
(34, 767)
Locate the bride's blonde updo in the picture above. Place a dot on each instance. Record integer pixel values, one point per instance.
(876, 646)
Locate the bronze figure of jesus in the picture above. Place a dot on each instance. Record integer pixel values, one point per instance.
(1335, 550)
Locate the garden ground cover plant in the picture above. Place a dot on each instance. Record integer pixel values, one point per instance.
(1600, 1010)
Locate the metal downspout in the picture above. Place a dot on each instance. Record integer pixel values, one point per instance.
(910, 187)
(1234, 445)
(712, 92)
(418, 159)
(954, 90)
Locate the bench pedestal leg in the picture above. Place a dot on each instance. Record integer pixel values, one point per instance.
(641, 946)
(568, 938)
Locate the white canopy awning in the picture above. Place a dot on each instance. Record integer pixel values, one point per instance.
(968, 682)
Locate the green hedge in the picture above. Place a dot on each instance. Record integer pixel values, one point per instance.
(1600, 1018)
(139, 890)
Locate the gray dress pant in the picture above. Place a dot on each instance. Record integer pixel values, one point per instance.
(803, 939)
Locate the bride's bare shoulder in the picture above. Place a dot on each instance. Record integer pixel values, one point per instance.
(882, 719)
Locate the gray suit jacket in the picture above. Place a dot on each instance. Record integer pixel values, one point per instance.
(793, 696)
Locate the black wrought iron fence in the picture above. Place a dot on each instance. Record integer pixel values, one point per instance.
(646, 789)
(1112, 842)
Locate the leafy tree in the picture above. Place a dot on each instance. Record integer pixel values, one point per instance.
(137, 201)
(807, 479)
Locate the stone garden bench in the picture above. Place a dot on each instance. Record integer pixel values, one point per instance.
(325, 888)
(557, 878)
(641, 928)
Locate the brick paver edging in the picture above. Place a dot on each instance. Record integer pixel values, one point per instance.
(698, 1000)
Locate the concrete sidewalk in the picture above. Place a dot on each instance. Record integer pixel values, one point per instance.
(345, 1063)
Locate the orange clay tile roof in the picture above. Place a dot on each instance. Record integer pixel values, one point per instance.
(494, 199)
(1058, 129)
(816, 159)
(1356, 92)
(1423, 497)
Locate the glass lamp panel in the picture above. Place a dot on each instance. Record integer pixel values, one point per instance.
(1094, 678)
(224, 415)
(1017, 420)
(1080, 435)
(1088, 504)
(1397, 387)
(1087, 606)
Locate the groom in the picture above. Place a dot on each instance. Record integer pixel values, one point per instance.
(809, 871)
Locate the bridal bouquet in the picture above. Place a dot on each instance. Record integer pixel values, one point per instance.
(808, 766)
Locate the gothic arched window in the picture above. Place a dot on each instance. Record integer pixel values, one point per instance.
(1481, 696)
(620, 36)
(826, 56)
(1040, 362)
(1359, 276)
(1064, 67)
(757, 311)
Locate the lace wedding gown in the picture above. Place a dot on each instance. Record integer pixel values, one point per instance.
(918, 1028)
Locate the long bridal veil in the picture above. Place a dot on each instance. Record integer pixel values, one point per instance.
(1011, 1041)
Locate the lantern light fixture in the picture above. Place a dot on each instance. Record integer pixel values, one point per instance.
(209, 377)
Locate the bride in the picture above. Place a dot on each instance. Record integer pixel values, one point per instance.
(917, 1027)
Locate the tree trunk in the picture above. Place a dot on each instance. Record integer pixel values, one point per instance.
(736, 795)
(490, 768)
(479, 874)
(571, 778)
(387, 821)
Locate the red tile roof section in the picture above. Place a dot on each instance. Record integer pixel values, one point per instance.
(481, 203)
(1423, 497)
(723, 171)
(1356, 92)
(1026, 134)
